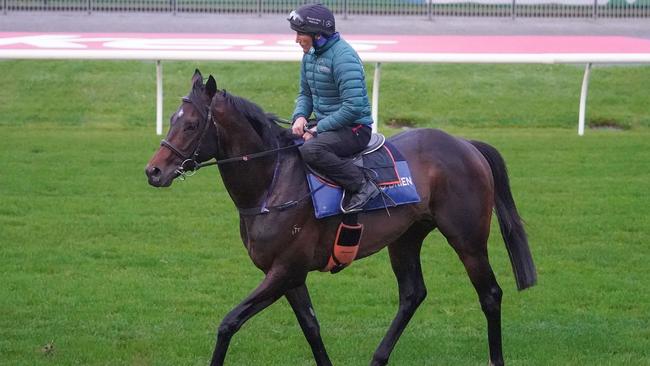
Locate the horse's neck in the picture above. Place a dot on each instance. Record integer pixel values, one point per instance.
(246, 180)
(243, 129)
(257, 181)
(265, 181)
(290, 183)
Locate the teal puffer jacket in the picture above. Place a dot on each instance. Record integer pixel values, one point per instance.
(333, 86)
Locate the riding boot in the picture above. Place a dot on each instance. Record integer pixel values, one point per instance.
(368, 191)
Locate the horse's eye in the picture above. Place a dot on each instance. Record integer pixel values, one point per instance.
(190, 126)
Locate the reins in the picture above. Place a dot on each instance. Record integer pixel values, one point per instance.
(264, 208)
(247, 157)
(189, 166)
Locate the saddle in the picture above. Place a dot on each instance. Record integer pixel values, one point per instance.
(383, 163)
(386, 166)
(380, 160)
(377, 140)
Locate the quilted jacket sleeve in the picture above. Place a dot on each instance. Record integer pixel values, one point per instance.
(304, 102)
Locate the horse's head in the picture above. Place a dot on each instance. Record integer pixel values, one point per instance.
(186, 143)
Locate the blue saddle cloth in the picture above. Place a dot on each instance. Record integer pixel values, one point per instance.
(394, 179)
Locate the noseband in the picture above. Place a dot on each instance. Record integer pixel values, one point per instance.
(189, 165)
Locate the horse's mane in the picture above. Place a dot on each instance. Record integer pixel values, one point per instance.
(263, 123)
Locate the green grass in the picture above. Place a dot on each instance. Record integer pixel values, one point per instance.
(122, 94)
(115, 272)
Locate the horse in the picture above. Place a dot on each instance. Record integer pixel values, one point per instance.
(460, 183)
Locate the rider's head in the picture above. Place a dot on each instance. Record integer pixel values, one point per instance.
(313, 19)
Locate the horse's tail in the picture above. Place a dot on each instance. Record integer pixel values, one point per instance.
(511, 225)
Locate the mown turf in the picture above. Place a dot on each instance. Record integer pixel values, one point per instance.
(113, 272)
(105, 94)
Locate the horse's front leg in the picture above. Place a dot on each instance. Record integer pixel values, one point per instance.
(275, 284)
(301, 304)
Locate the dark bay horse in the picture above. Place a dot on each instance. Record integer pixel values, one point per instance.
(460, 182)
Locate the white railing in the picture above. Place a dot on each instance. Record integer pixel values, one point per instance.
(347, 8)
(375, 49)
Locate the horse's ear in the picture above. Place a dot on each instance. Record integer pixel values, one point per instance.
(197, 78)
(211, 87)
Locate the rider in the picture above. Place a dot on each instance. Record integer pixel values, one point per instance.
(333, 87)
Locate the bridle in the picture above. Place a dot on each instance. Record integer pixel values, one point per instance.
(189, 165)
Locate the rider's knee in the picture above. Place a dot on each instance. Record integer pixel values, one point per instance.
(310, 153)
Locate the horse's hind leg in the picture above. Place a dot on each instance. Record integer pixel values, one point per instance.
(405, 260)
(301, 304)
(489, 293)
(468, 235)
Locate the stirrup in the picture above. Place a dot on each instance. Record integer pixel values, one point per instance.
(360, 207)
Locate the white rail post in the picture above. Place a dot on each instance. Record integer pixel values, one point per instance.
(375, 97)
(159, 98)
(583, 100)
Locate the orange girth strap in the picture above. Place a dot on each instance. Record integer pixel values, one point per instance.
(346, 246)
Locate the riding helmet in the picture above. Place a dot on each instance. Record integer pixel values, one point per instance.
(312, 19)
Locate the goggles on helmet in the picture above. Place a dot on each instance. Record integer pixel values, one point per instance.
(296, 19)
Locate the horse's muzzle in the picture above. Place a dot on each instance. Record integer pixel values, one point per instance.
(156, 177)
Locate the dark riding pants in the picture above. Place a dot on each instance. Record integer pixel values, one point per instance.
(326, 153)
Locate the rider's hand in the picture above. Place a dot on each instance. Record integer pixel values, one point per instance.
(298, 127)
(309, 134)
